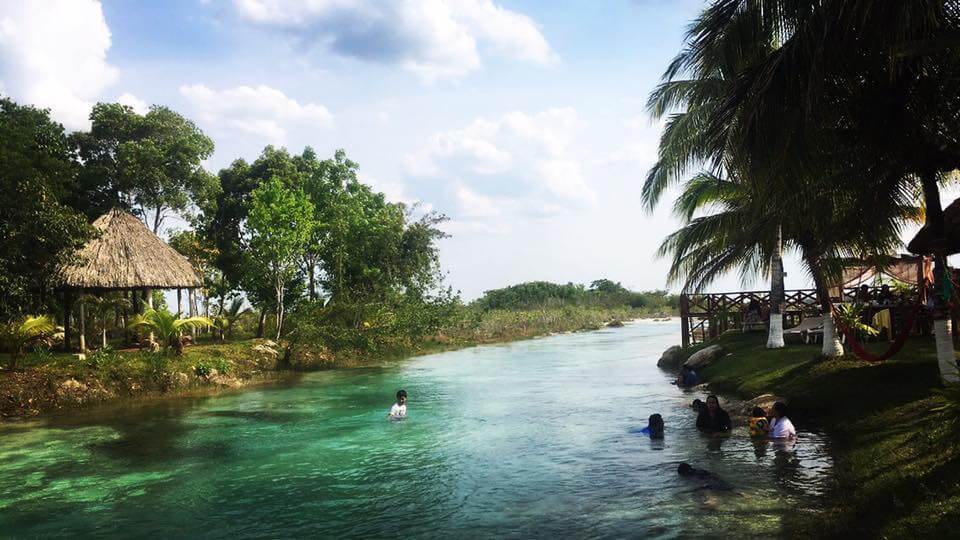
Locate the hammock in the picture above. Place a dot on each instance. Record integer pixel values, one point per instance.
(894, 348)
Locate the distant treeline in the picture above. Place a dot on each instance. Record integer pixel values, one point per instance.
(602, 292)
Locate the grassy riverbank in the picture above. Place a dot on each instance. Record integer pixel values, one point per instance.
(897, 460)
(50, 382)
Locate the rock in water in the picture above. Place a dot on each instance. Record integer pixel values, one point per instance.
(705, 357)
(670, 359)
(764, 401)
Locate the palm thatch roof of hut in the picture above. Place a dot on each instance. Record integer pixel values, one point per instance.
(924, 242)
(127, 255)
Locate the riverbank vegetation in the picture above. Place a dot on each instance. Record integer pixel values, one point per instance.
(892, 427)
(289, 246)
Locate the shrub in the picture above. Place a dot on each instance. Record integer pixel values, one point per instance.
(103, 358)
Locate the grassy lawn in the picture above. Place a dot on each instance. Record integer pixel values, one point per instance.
(897, 462)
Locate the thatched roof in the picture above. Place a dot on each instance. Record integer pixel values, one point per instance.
(923, 242)
(127, 255)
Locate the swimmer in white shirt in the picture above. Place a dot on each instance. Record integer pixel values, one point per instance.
(399, 409)
(780, 426)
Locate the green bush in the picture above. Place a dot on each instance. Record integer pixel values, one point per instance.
(205, 367)
(103, 358)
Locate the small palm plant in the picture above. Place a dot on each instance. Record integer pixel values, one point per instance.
(228, 316)
(168, 330)
(19, 335)
(849, 316)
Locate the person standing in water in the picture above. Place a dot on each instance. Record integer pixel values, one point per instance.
(399, 409)
(712, 418)
(781, 427)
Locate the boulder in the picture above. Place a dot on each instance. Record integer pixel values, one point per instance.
(706, 356)
(764, 401)
(670, 359)
(616, 323)
(177, 379)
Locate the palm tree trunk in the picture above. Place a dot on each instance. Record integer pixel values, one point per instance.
(942, 331)
(832, 347)
(775, 331)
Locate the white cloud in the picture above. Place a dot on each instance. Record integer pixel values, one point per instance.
(518, 162)
(262, 111)
(436, 39)
(53, 53)
(395, 192)
(138, 105)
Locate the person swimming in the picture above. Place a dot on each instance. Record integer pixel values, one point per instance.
(705, 479)
(654, 427)
(399, 409)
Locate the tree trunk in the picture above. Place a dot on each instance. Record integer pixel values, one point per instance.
(775, 332)
(157, 219)
(832, 347)
(67, 312)
(192, 306)
(279, 287)
(946, 358)
(261, 322)
(83, 329)
(312, 282)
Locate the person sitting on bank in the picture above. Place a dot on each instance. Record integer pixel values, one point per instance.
(688, 377)
(780, 426)
(754, 312)
(654, 427)
(759, 424)
(713, 418)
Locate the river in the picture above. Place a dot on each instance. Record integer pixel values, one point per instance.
(527, 439)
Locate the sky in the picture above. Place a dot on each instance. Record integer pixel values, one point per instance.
(524, 122)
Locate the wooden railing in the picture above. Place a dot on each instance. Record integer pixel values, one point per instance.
(705, 316)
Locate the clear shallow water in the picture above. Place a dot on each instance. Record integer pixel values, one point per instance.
(525, 439)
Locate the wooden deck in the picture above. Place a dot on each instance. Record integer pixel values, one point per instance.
(705, 316)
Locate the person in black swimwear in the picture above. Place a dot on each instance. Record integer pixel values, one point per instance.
(712, 418)
(705, 479)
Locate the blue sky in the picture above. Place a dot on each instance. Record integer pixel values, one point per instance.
(523, 121)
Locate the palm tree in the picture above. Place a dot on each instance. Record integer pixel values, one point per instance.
(19, 335)
(228, 316)
(868, 86)
(167, 328)
(775, 334)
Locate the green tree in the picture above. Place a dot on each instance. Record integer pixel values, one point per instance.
(149, 163)
(280, 222)
(19, 335)
(38, 230)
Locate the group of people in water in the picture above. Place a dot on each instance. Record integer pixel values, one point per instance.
(711, 418)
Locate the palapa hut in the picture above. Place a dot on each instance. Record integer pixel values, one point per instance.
(924, 243)
(126, 256)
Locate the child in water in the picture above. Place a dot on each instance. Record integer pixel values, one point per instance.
(399, 409)
(759, 425)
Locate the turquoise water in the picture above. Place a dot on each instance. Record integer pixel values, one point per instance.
(529, 439)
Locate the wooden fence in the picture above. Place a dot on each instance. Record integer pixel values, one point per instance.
(705, 316)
